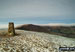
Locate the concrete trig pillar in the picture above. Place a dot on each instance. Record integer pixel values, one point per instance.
(11, 30)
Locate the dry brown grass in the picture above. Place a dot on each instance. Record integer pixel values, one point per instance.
(4, 34)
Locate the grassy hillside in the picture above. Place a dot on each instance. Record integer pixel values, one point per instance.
(67, 31)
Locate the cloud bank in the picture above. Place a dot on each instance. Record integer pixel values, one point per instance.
(50, 24)
(2, 26)
(58, 24)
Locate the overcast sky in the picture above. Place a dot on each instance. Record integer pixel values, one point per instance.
(37, 11)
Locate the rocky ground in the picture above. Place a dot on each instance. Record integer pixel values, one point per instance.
(29, 41)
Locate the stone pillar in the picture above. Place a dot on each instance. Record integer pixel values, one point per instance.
(11, 30)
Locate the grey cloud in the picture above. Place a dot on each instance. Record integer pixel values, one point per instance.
(35, 8)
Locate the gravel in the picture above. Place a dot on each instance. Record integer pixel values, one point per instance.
(29, 41)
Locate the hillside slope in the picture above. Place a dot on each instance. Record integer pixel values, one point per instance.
(66, 31)
(31, 27)
(29, 41)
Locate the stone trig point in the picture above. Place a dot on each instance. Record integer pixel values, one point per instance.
(11, 30)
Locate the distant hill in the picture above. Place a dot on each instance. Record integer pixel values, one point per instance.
(67, 31)
(32, 27)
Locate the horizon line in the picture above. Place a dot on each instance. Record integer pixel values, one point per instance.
(49, 24)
